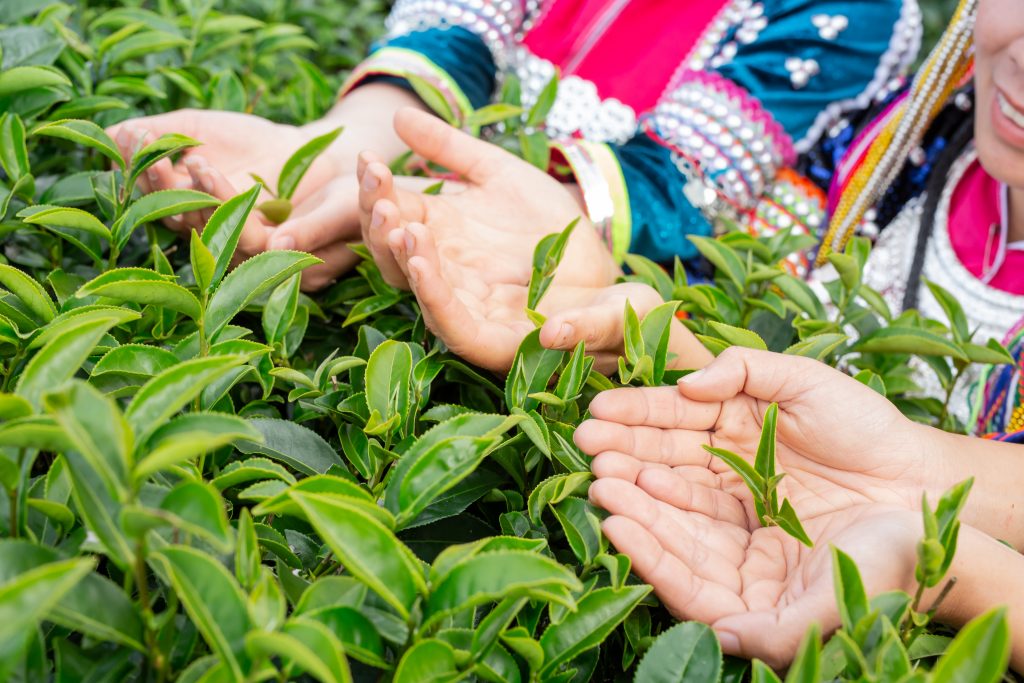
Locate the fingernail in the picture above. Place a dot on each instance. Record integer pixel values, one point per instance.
(376, 219)
(370, 182)
(183, 184)
(153, 177)
(565, 333)
(410, 242)
(692, 377)
(176, 219)
(729, 642)
(282, 242)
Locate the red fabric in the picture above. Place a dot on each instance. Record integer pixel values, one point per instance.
(975, 208)
(633, 57)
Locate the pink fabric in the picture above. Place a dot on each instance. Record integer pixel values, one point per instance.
(975, 207)
(630, 58)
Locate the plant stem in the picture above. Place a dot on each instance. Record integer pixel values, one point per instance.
(949, 396)
(155, 656)
(13, 495)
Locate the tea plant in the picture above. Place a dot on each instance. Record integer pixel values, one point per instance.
(210, 476)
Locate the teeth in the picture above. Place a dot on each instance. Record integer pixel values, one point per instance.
(1009, 111)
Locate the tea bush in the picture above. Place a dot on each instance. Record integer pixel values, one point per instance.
(209, 476)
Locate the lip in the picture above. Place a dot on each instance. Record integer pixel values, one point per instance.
(1008, 131)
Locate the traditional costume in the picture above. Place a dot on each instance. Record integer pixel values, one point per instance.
(908, 176)
(713, 97)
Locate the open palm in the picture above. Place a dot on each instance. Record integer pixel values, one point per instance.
(864, 452)
(759, 588)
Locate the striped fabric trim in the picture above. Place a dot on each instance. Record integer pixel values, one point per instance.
(600, 178)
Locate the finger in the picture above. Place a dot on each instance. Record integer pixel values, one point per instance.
(599, 327)
(774, 635)
(337, 259)
(654, 407)
(615, 465)
(679, 492)
(489, 345)
(255, 234)
(761, 374)
(671, 447)
(335, 218)
(402, 244)
(713, 559)
(379, 215)
(686, 595)
(436, 141)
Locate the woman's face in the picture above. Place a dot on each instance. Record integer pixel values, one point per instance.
(999, 79)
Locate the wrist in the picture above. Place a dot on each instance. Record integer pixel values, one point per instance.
(992, 506)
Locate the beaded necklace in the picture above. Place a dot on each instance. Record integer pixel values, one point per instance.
(934, 84)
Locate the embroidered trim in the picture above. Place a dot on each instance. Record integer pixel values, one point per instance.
(722, 135)
(600, 178)
(499, 23)
(400, 62)
(794, 203)
(896, 61)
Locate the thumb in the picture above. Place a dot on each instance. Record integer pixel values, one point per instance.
(436, 141)
(762, 375)
(321, 220)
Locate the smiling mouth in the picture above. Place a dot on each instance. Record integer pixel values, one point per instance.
(1009, 111)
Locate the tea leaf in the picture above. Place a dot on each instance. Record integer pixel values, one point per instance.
(494, 576)
(596, 615)
(81, 132)
(979, 653)
(167, 393)
(224, 229)
(807, 663)
(13, 152)
(788, 521)
(248, 281)
(97, 429)
(686, 653)
(25, 601)
(367, 548)
(143, 287)
(65, 217)
(295, 168)
(292, 444)
(157, 205)
(61, 358)
(30, 292)
(427, 660)
(212, 598)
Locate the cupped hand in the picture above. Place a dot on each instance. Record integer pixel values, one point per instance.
(838, 442)
(325, 215)
(490, 221)
(758, 588)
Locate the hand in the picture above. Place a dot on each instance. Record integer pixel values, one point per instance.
(758, 588)
(489, 223)
(839, 442)
(325, 214)
(600, 325)
(235, 145)
(485, 321)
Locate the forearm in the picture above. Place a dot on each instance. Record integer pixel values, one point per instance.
(988, 574)
(366, 113)
(994, 505)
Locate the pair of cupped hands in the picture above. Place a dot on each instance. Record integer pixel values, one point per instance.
(466, 253)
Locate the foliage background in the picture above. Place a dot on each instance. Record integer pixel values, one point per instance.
(200, 565)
